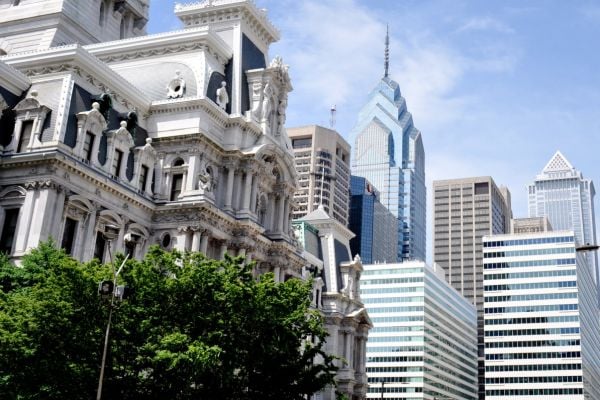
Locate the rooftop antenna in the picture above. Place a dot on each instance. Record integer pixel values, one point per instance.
(387, 51)
(332, 117)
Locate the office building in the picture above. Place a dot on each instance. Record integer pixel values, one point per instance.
(561, 194)
(374, 225)
(541, 318)
(336, 294)
(465, 210)
(389, 152)
(322, 159)
(423, 344)
(530, 225)
(174, 139)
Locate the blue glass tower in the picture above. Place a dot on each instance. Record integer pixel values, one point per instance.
(389, 152)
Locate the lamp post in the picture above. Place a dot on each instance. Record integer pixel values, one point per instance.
(106, 288)
(382, 386)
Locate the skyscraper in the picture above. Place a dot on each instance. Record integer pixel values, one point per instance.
(561, 194)
(464, 211)
(541, 318)
(423, 344)
(389, 152)
(374, 225)
(322, 158)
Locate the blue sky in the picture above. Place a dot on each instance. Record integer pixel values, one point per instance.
(496, 87)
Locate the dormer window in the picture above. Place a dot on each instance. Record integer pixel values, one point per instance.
(88, 145)
(117, 161)
(143, 177)
(176, 186)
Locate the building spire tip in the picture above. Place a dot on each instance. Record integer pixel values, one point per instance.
(387, 51)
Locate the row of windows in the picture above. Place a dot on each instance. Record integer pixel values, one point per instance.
(534, 252)
(395, 359)
(415, 299)
(386, 329)
(392, 271)
(394, 379)
(397, 319)
(371, 370)
(528, 356)
(393, 349)
(388, 389)
(545, 307)
(536, 263)
(533, 379)
(531, 297)
(373, 310)
(383, 339)
(539, 331)
(532, 320)
(525, 242)
(392, 280)
(532, 274)
(525, 286)
(533, 392)
(532, 367)
(391, 290)
(531, 343)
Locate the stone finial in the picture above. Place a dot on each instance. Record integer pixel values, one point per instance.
(123, 124)
(148, 141)
(96, 106)
(34, 93)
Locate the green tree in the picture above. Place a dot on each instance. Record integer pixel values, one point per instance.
(194, 328)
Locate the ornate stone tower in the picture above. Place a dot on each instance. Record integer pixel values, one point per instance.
(28, 25)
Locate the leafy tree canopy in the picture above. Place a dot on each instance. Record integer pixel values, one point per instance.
(194, 328)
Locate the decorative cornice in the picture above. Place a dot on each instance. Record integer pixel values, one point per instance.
(75, 59)
(12, 79)
(163, 44)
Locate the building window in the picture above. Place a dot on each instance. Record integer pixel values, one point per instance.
(99, 247)
(9, 228)
(143, 177)
(88, 145)
(176, 186)
(26, 129)
(117, 160)
(123, 28)
(102, 13)
(130, 249)
(69, 235)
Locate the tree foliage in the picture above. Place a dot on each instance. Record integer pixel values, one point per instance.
(194, 328)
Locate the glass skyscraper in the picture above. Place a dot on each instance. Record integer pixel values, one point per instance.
(389, 152)
(561, 194)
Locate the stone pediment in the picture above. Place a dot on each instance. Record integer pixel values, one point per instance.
(28, 104)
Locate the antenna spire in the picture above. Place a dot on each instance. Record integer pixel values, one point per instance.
(387, 51)
(332, 117)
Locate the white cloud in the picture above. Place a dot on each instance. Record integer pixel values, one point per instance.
(485, 24)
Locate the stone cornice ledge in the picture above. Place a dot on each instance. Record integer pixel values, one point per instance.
(162, 41)
(12, 79)
(77, 58)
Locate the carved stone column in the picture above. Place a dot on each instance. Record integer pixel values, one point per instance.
(280, 213)
(196, 237)
(204, 242)
(223, 250)
(247, 191)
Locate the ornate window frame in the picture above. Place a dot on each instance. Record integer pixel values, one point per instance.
(11, 197)
(119, 140)
(145, 156)
(91, 121)
(28, 109)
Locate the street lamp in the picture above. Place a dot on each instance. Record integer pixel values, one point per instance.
(109, 289)
(382, 385)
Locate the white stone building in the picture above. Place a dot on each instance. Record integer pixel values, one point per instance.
(337, 295)
(174, 138)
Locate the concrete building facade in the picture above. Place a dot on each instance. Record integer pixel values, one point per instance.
(424, 341)
(541, 318)
(322, 159)
(464, 211)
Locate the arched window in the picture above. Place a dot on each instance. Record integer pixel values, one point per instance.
(102, 13)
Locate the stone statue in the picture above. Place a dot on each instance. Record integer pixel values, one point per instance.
(205, 181)
(266, 106)
(176, 87)
(281, 114)
(222, 96)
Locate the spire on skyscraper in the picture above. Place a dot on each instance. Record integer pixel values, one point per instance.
(387, 51)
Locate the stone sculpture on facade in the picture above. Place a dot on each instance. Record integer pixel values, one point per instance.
(222, 96)
(176, 88)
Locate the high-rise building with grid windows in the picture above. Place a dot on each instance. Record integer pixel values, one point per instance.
(541, 318)
(423, 344)
(322, 158)
(464, 211)
(561, 194)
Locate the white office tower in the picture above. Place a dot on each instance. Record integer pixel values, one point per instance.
(424, 341)
(542, 339)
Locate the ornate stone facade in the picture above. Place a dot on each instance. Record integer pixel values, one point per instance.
(174, 139)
